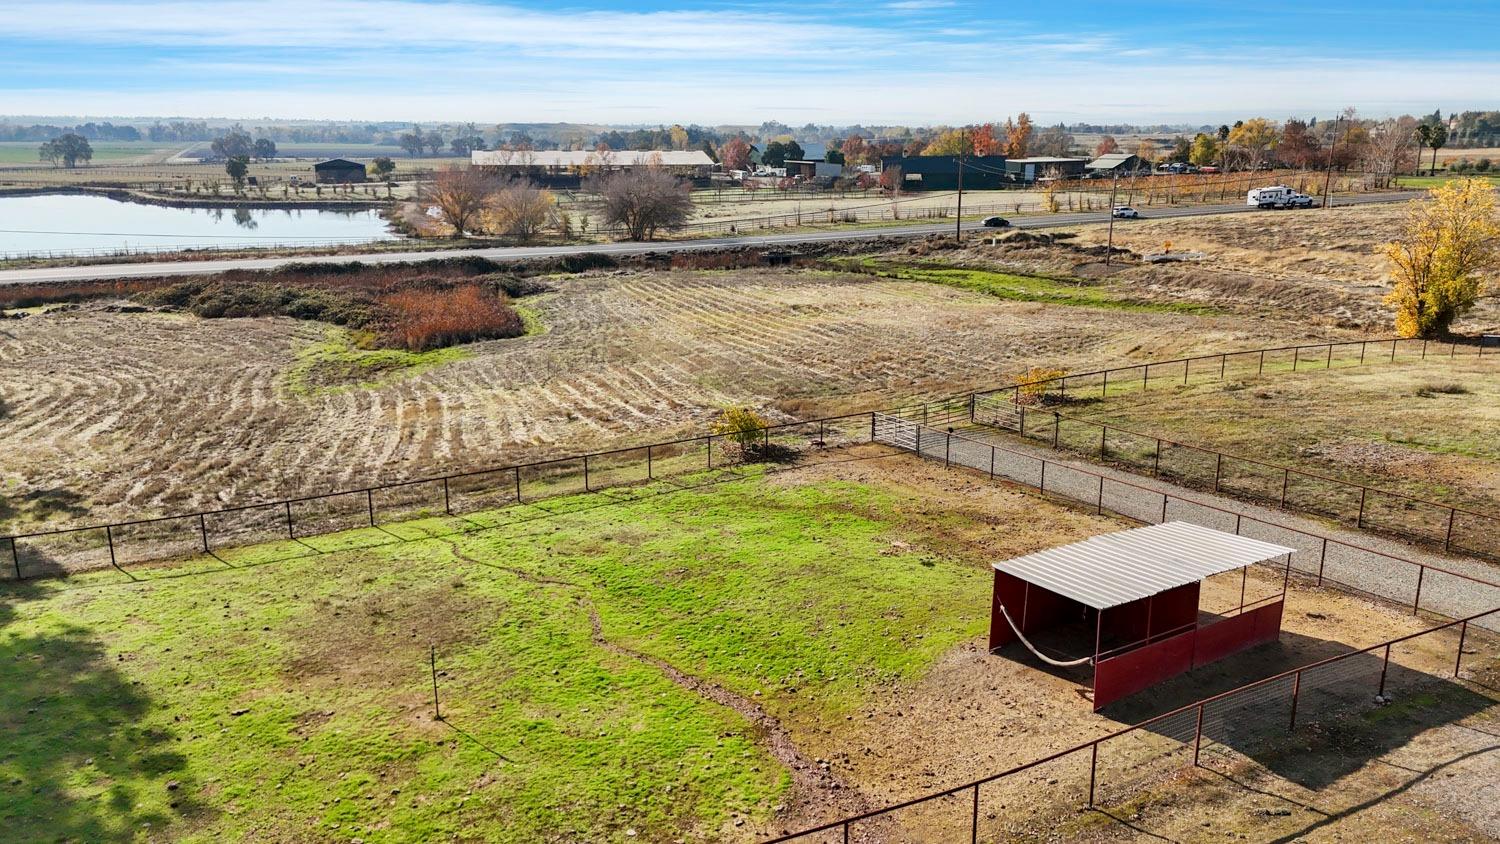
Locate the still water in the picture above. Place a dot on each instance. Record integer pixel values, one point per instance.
(81, 224)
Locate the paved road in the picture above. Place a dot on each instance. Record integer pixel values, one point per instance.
(503, 253)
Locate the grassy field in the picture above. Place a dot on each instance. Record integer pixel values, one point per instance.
(24, 153)
(1423, 428)
(1440, 178)
(717, 658)
(291, 700)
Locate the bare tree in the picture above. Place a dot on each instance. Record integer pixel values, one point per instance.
(643, 200)
(521, 210)
(460, 195)
(1391, 150)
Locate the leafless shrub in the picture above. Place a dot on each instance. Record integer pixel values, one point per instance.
(643, 200)
(521, 210)
(460, 195)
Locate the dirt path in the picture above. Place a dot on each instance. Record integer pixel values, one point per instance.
(817, 795)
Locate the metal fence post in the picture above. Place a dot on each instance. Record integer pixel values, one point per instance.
(992, 463)
(1463, 633)
(947, 448)
(1185, 364)
(1286, 477)
(1261, 368)
(1223, 362)
(1296, 691)
(1198, 736)
(370, 501)
(1362, 345)
(1056, 425)
(1329, 364)
(1164, 499)
(518, 484)
(1416, 601)
(1156, 460)
(1093, 772)
(447, 502)
(974, 823)
(1296, 357)
(15, 557)
(1103, 431)
(649, 470)
(1424, 349)
(1393, 350)
(1104, 393)
(1099, 508)
(1360, 521)
(1448, 537)
(1145, 377)
(1384, 667)
(872, 426)
(710, 450)
(586, 487)
(1218, 469)
(290, 534)
(203, 531)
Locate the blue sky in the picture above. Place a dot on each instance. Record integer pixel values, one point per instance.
(833, 61)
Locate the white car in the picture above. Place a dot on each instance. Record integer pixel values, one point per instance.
(1300, 200)
(1124, 212)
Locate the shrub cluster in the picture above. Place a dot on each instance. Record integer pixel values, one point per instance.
(422, 319)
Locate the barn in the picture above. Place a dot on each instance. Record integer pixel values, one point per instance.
(338, 171)
(1127, 604)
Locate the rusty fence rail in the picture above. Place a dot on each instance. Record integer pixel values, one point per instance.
(119, 544)
(66, 550)
(1325, 560)
(1224, 729)
(1017, 407)
(1218, 731)
(1450, 528)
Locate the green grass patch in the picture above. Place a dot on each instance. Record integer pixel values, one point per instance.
(289, 697)
(530, 318)
(339, 363)
(1027, 288)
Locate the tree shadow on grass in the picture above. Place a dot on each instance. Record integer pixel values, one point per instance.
(76, 761)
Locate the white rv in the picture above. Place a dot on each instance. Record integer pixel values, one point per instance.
(1277, 196)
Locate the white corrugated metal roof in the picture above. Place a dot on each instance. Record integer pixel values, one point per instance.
(1117, 568)
(581, 158)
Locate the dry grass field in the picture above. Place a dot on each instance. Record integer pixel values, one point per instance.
(127, 413)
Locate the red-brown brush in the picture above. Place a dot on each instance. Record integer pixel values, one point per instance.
(422, 319)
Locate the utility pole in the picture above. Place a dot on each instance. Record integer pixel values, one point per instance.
(1328, 176)
(958, 222)
(1109, 252)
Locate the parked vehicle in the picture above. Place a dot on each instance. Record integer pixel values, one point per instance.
(1300, 200)
(1124, 212)
(1271, 196)
(1208, 168)
(995, 223)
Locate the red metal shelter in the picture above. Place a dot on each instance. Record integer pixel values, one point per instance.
(1138, 590)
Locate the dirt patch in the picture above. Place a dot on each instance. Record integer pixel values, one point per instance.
(372, 639)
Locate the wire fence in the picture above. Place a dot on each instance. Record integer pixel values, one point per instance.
(1024, 410)
(1247, 724)
(123, 544)
(63, 551)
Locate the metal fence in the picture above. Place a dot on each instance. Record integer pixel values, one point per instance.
(1221, 731)
(1024, 409)
(68, 550)
(122, 544)
(1250, 722)
(1325, 560)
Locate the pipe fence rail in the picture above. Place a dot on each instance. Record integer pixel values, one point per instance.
(1214, 733)
(61, 551)
(1030, 411)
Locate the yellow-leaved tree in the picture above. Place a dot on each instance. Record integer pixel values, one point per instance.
(1439, 263)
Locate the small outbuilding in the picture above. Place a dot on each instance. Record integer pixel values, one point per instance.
(1135, 595)
(1118, 164)
(338, 171)
(813, 168)
(1041, 167)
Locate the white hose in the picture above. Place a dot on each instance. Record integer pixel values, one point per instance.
(1039, 655)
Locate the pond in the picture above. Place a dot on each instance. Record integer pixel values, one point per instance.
(82, 224)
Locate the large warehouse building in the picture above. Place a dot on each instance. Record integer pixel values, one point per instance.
(940, 172)
(552, 166)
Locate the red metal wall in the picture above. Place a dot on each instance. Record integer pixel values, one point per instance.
(1132, 671)
(1033, 609)
(1170, 610)
(1231, 635)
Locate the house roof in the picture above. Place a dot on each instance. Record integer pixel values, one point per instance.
(337, 164)
(581, 158)
(1116, 568)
